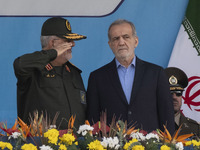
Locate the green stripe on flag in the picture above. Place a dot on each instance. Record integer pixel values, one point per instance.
(191, 23)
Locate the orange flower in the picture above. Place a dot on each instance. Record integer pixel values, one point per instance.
(166, 137)
(125, 130)
(25, 129)
(87, 122)
(71, 124)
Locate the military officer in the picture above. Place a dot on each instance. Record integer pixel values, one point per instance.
(178, 80)
(47, 82)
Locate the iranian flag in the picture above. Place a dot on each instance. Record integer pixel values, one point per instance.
(186, 56)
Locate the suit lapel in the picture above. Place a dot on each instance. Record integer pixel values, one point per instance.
(139, 72)
(114, 78)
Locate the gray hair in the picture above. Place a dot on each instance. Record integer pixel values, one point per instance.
(45, 40)
(119, 22)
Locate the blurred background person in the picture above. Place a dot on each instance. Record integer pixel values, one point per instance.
(178, 80)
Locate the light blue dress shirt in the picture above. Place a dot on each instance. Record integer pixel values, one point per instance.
(126, 76)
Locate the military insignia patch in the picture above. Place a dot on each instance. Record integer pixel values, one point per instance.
(186, 126)
(50, 75)
(83, 97)
(173, 80)
(49, 67)
(68, 25)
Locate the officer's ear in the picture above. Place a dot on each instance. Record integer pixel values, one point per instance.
(51, 43)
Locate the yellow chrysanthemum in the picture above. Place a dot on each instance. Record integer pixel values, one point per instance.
(7, 145)
(29, 147)
(67, 138)
(164, 147)
(133, 140)
(188, 143)
(138, 147)
(127, 145)
(195, 143)
(96, 145)
(62, 147)
(52, 135)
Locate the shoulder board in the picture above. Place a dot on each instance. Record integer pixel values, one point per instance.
(72, 65)
(192, 121)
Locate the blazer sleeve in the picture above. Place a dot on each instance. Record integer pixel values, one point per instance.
(93, 107)
(165, 103)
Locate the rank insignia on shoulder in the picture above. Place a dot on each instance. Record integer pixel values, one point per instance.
(83, 97)
(49, 67)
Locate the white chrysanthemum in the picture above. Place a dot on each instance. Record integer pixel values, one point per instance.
(116, 140)
(84, 129)
(110, 142)
(14, 135)
(117, 146)
(43, 147)
(152, 135)
(52, 127)
(84, 133)
(138, 136)
(179, 146)
(104, 143)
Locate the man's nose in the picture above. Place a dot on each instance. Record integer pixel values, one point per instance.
(73, 43)
(121, 41)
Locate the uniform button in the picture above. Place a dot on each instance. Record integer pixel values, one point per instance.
(129, 112)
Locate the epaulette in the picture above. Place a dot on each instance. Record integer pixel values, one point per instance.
(72, 65)
(192, 121)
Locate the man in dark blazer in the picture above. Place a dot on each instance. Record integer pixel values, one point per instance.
(129, 88)
(178, 80)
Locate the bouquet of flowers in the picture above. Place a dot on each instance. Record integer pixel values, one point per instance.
(40, 135)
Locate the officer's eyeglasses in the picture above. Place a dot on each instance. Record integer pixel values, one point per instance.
(178, 93)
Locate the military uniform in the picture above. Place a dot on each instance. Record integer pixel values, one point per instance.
(49, 89)
(188, 126)
(178, 80)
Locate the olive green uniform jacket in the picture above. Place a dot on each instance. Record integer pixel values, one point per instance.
(188, 126)
(42, 87)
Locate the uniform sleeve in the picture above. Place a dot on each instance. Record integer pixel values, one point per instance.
(165, 104)
(93, 110)
(25, 65)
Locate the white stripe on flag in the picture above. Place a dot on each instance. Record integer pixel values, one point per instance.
(185, 57)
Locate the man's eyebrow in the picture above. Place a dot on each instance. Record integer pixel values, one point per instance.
(115, 37)
(125, 35)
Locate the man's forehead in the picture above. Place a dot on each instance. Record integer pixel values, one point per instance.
(120, 35)
(117, 33)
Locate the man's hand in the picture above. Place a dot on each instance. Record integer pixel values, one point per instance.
(62, 48)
